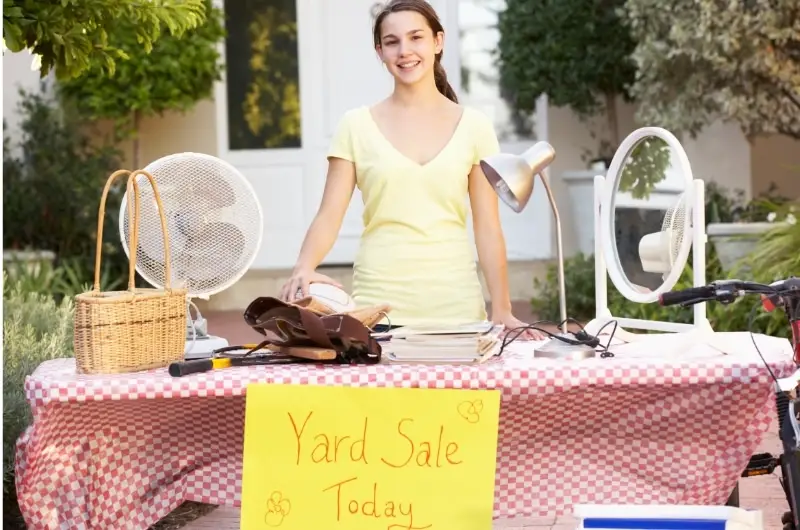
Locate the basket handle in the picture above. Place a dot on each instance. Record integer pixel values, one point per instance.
(134, 231)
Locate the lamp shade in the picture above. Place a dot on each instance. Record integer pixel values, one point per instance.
(512, 176)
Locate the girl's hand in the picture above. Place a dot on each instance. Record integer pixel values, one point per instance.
(512, 324)
(300, 281)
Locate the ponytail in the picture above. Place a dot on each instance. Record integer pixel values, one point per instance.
(440, 77)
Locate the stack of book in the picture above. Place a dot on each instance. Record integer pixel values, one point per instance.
(461, 344)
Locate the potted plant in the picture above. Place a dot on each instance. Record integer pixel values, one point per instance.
(736, 226)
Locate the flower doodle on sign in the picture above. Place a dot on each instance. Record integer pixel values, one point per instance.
(277, 509)
(471, 410)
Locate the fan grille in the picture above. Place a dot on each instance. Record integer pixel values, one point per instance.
(674, 227)
(213, 218)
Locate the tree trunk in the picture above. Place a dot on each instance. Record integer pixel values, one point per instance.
(137, 148)
(613, 124)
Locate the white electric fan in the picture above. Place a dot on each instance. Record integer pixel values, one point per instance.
(659, 251)
(665, 252)
(215, 226)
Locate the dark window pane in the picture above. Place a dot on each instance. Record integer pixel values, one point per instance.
(262, 72)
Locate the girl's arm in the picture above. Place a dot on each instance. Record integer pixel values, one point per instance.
(492, 251)
(490, 241)
(324, 229)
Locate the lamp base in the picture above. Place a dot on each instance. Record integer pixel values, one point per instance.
(558, 349)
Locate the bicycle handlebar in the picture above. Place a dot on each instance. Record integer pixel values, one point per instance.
(726, 291)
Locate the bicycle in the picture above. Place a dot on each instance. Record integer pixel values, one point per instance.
(783, 294)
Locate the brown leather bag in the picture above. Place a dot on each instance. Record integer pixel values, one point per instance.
(301, 335)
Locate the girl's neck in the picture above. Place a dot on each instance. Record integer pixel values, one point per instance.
(419, 95)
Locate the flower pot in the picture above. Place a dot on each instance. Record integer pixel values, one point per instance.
(735, 241)
(27, 262)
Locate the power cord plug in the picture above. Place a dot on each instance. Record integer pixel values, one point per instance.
(579, 338)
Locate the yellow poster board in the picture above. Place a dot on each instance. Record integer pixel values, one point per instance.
(326, 458)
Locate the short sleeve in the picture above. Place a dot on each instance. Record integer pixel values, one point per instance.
(486, 143)
(342, 142)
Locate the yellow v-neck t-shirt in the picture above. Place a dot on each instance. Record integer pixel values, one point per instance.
(415, 252)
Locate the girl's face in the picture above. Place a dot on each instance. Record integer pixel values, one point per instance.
(408, 46)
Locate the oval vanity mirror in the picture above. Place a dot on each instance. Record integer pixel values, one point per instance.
(649, 216)
(646, 228)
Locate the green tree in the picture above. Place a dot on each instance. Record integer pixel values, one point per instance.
(701, 61)
(70, 35)
(175, 75)
(575, 51)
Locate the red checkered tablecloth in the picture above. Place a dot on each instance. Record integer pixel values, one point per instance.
(122, 451)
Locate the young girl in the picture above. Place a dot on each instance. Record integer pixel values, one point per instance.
(415, 157)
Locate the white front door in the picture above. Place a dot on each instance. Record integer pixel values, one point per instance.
(293, 68)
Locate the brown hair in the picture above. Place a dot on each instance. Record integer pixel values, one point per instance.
(423, 8)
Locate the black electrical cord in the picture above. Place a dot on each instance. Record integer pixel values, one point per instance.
(750, 321)
(582, 338)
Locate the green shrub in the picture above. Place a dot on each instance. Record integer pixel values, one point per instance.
(725, 206)
(53, 177)
(579, 279)
(35, 329)
(66, 280)
(778, 252)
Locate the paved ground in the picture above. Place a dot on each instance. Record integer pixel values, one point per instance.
(762, 493)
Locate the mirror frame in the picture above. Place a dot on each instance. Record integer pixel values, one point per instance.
(608, 204)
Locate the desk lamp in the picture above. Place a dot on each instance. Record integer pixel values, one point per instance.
(512, 178)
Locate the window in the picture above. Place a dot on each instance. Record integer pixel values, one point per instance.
(262, 72)
(480, 84)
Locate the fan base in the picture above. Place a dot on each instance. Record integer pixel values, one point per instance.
(557, 349)
(203, 347)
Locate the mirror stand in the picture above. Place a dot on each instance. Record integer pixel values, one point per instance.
(603, 313)
(607, 260)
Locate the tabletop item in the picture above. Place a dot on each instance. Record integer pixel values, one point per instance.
(122, 451)
(331, 298)
(137, 329)
(649, 217)
(512, 177)
(326, 299)
(300, 334)
(215, 225)
(469, 343)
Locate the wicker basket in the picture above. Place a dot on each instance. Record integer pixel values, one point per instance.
(133, 330)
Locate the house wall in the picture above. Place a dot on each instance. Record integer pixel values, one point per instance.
(175, 132)
(721, 154)
(17, 75)
(776, 159)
